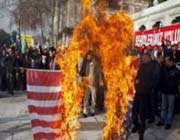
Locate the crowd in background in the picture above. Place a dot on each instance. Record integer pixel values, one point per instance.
(157, 86)
(166, 49)
(157, 83)
(13, 65)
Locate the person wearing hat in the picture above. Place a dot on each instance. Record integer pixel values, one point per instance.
(169, 91)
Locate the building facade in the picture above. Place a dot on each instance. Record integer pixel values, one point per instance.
(68, 18)
(161, 14)
(69, 14)
(130, 6)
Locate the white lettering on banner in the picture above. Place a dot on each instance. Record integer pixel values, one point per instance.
(139, 40)
(177, 36)
(168, 35)
(138, 43)
(160, 38)
(156, 39)
(155, 36)
(149, 39)
(143, 39)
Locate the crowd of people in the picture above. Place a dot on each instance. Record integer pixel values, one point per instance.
(157, 82)
(13, 65)
(157, 87)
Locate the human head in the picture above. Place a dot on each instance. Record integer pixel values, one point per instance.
(169, 61)
(145, 50)
(9, 51)
(160, 58)
(174, 48)
(89, 55)
(50, 53)
(3, 52)
(168, 44)
(178, 46)
(146, 58)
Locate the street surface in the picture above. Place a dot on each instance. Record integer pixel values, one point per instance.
(15, 123)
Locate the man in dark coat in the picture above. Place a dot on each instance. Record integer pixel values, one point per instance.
(169, 91)
(2, 70)
(144, 85)
(9, 63)
(153, 103)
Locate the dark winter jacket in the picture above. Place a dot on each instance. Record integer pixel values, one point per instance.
(146, 78)
(9, 63)
(170, 80)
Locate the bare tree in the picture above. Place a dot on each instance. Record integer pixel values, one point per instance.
(29, 14)
(55, 21)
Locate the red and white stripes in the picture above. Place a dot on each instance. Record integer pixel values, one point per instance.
(45, 103)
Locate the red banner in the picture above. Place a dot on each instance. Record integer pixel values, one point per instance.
(155, 36)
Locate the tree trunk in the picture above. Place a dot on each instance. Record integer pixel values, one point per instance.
(52, 27)
(58, 21)
(42, 31)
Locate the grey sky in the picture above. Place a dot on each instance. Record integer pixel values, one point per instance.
(5, 15)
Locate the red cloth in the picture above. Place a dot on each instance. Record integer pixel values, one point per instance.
(45, 103)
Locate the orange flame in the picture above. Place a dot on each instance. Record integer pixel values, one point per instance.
(109, 37)
(116, 68)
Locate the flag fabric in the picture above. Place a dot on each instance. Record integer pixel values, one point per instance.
(45, 103)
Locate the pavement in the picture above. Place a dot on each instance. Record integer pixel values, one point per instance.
(15, 123)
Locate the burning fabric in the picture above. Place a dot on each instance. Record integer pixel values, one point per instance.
(110, 38)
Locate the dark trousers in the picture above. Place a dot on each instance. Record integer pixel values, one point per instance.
(143, 110)
(17, 81)
(3, 79)
(167, 108)
(10, 82)
(100, 98)
(139, 112)
(152, 105)
(135, 111)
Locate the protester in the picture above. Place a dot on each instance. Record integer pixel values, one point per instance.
(170, 89)
(2, 70)
(9, 63)
(153, 103)
(162, 92)
(154, 82)
(88, 73)
(144, 87)
(160, 60)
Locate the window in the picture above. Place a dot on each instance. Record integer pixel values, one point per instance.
(142, 28)
(114, 4)
(158, 24)
(176, 20)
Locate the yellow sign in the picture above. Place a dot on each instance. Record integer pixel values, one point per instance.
(26, 42)
(27, 39)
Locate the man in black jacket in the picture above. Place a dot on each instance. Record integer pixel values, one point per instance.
(169, 91)
(144, 85)
(2, 70)
(9, 63)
